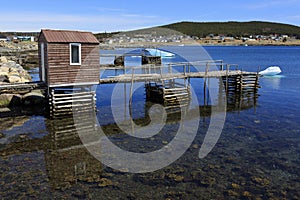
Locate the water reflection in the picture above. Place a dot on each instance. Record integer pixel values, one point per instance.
(67, 160)
(67, 163)
(272, 81)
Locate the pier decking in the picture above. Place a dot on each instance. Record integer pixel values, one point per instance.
(15, 87)
(126, 78)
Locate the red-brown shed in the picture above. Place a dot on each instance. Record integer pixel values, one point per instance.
(68, 58)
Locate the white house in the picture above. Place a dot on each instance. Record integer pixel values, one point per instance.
(3, 38)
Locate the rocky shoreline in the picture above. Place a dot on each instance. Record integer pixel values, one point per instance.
(25, 54)
(13, 73)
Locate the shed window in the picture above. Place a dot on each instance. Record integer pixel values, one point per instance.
(75, 54)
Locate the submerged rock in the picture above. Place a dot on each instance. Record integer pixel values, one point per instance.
(232, 193)
(104, 182)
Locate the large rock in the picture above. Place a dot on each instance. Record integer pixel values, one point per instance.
(14, 79)
(9, 64)
(4, 69)
(34, 98)
(25, 80)
(3, 73)
(119, 61)
(10, 100)
(3, 78)
(3, 59)
(14, 72)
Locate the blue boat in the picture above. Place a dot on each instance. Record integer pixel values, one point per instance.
(158, 52)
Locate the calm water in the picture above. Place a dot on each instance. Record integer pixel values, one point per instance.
(256, 157)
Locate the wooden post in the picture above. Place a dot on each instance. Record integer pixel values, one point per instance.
(206, 68)
(131, 90)
(204, 91)
(222, 68)
(170, 68)
(226, 86)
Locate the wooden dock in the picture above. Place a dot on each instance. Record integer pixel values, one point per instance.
(161, 84)
(161, 81)
(127, 78)
(184, 70)
(18, 87)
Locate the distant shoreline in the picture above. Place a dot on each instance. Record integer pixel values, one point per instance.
(249, 43)
(201, 43)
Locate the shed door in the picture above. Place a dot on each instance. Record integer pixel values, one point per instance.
(43, 62)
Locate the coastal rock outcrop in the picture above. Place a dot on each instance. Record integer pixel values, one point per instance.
(32, 98)
(23, 53)
(19, 46)
(11, 72)
(7, 100)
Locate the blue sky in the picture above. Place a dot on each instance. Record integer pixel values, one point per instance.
(113, 15)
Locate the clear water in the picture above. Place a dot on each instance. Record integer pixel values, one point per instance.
(256, 157)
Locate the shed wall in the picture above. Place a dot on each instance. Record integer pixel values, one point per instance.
(43, 40)
(61, 72)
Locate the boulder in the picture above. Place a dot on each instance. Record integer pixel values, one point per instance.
(14, 79)
(16, 100)
(15, 73)
(8, 100)
(119, 61)
(34, 98)
(3, 59)
(24, 80)
(4, 69)
(2, 73)
(3, 78)
(9, 64)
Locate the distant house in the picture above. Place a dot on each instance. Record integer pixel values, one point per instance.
(24, 38)
(68, 58)
(3, 38)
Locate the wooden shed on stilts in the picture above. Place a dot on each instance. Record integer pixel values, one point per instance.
(69, 66)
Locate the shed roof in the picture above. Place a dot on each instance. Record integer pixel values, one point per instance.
(64, 36)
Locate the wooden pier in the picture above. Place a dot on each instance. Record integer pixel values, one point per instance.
(127, 78)
(167, 84)
(161, 81)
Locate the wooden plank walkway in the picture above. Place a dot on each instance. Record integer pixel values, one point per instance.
(125, 78)
(15, 87)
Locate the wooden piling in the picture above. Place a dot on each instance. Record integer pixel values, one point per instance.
(64, 103)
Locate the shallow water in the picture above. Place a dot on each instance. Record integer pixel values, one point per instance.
(256, 156)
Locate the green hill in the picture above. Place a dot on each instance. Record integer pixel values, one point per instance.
(236, 29)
